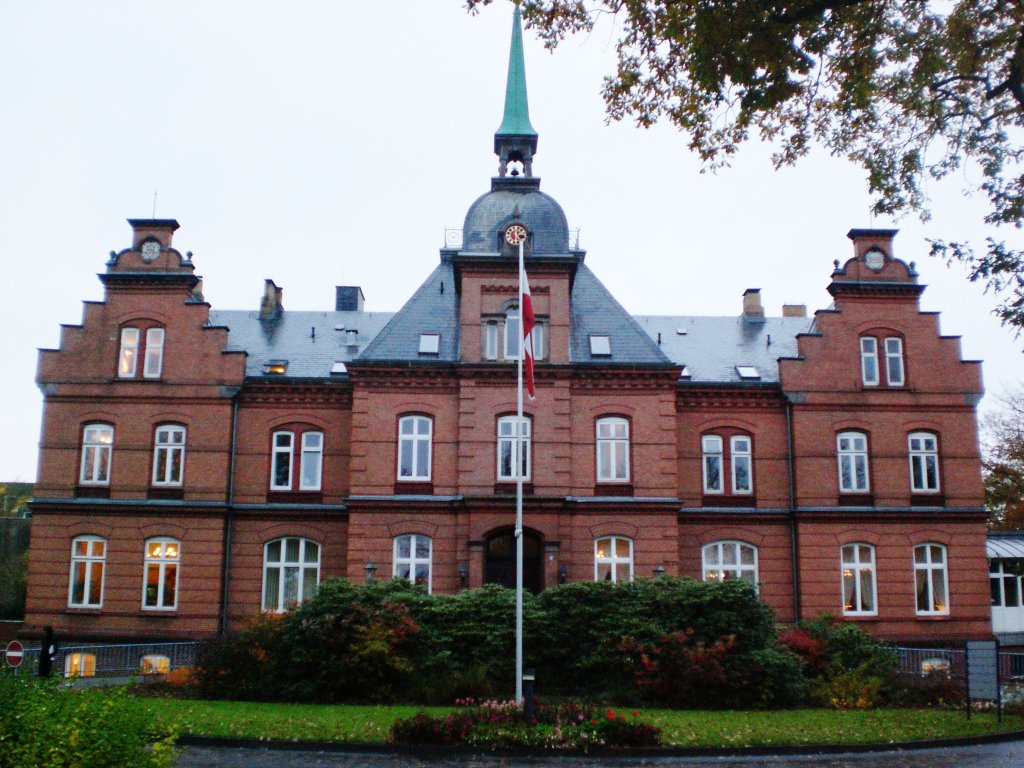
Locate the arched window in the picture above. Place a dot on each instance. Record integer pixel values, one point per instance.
(160, 585)
(924, 462)
(613, 559)
(412, 559)
(88, 562)
(858, 576)
(169, 455)
(291, 572)
(97, 452)
(415, 434)
(730, 560)
(930, 582)
(513, 452)
(612, 450)
(852, 456)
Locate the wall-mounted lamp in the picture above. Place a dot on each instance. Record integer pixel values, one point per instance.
(371, 571)
(563, 574)
(659, 570)
(463, 573)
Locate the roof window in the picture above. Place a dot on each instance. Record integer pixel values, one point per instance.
(338, 367)
(600, 345)
(430, 343)
(685, 373)
(748, 372)
(276, 367)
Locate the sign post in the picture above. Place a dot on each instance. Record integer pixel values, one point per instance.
(15, 653)
(983, 674)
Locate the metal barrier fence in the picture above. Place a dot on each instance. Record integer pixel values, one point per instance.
(114, 660)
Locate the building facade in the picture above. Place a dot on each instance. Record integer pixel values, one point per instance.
(198, 465)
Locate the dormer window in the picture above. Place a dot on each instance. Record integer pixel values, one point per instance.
(500, 337)
(748, 372)
(600, 345)
(430, 343)
(275, 368)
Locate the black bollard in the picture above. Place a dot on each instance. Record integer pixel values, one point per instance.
(528, 697)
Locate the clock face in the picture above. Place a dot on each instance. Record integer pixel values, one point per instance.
(150, 250)
(515, 234)
(875, 259)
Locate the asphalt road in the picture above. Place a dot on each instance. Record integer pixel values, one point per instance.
(1005, 755)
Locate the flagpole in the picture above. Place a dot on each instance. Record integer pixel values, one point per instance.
(518, 455)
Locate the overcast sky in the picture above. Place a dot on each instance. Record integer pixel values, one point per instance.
(325, 142)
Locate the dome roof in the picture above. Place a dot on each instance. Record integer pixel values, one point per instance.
(492, 212)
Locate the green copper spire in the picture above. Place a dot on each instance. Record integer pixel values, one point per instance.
(516, 121)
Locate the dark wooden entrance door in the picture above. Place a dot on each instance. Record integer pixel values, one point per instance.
(501, 561)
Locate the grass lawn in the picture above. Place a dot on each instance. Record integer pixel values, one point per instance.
(317, 722)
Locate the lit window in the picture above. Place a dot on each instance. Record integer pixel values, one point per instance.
(858, 570)
(491, 340)
(154, 664)
(97, 448)
(128, 357)
(88, 561)
(513, 452)
(430, 343)
(281, 461)
(311, 463)
(414, 443)
(412, 559)
(852, 453)
(600, 345)
(730, 560)
(160, 589)
(747, 372)
(612, 450)
(930, 580)
(80, 665)
(869, 360)
(924, 462)
(1005, 578)
(276, 367)
(169, 455)
(894, 361)
(154, 353)
(613, 559)
(291, 573)
(935, 666)
(711, 445)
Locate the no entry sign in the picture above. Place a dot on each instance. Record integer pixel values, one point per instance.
(15, 653)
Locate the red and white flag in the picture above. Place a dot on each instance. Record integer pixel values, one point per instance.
(528, 323)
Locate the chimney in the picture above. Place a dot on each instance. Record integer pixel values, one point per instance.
(271, 306)
(794, 310)
(752, 303)
(160, 229)
(348, 298)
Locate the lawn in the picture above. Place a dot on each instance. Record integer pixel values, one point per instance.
(316, 722)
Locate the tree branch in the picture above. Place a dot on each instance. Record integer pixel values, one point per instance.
(812, 10)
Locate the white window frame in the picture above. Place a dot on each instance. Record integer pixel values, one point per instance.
(491, 340)
(154, 364)
(712, 450)
(93, 557)
(97, 454)
(869, 369)
(295, 571)
(284, 453)
(893, 346)
(600, 345)
(512, 334)
(162, 558)
(615, 562)
(721, 560)
(311, 460)
(850, 454)
(128, 354)
(507, 442)
(538, 340)
(923, 451)
(851, 566)
(80, 664)
(739, 456)
(612, 438)
(166, 448)
(997, 572)
(406, 566)
(430, 344)
(929, 573)
(421, 432)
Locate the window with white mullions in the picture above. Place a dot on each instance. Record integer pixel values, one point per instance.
(869, 361)
(128, 356)
(281, 461)
(613, 559)
(513, 451)
(924, 462)
(291, 572)
(894, 361)
(97, 451)
(858, 580)
(311, 461)
(169, 455)
(730, 560)
(88, 562)
(741, 464)
(412, 559)
(160, 588)
(415, 434)
(154, 353)
(612, 450)
(930, 582)
(852, 455)
(711, 447)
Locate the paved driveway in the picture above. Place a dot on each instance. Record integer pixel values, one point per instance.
(1005, 755)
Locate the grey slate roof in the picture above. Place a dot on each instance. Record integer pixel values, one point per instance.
(712, 347)
(595, 311)
(290, 338)
(493, 211)
(434, 308)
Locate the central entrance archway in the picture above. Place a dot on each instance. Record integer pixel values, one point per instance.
(500, 562)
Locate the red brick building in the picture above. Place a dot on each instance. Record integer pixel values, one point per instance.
(198, 466)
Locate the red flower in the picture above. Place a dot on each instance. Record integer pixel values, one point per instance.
(610, 714)
(635, 714)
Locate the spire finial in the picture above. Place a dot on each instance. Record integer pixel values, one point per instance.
(515, 139)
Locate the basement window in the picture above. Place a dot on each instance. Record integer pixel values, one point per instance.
(430, 343)
(276, 367)
(748, 372)
(600, 345)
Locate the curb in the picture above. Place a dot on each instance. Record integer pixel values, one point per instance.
(431, 750)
